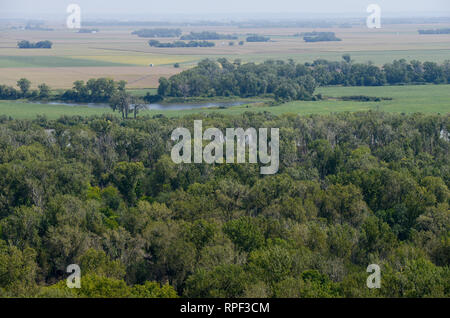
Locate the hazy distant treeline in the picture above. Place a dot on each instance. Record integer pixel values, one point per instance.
(257, 38)
(435, 31)
(158, 33)
(95, 30)
(38, 45)
(320, 37)
(155, 43)
(205, 35)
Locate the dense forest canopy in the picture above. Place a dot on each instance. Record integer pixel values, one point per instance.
(353, 189)
(223, 78)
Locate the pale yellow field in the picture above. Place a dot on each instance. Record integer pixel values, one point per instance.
(144, 60)
(63, 77)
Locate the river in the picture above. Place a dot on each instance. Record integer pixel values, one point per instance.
(174, 106)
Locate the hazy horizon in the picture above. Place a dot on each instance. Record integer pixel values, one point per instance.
(207, 9)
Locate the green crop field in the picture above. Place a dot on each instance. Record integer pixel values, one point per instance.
(374, 56)
(51, 61)
(406, 99)
(20, 110)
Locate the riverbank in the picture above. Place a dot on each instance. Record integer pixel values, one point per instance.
(405, 99)
(207, 103)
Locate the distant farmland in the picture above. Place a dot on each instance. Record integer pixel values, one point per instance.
(115, 52)
(63, 77)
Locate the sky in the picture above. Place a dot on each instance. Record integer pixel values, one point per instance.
(140, 8)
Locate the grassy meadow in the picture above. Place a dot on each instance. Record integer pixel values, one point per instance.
(405, 99)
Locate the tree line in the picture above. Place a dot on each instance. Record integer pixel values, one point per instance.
(435, 31)
(101, 90)
(158, 33)
(95, 90)
(206, 35)
(275, 79)
(320, 37)
(192, 36)
(196, 39)
(257, 38)
(37, 27)
(353, 189)
(24, 91)
(223, 78)
(156, 43)
(289, 80)
(85, 30)
(106, 90)
(38, 45)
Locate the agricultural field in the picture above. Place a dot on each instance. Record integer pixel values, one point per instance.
(114, 52)
(405, 99)
(63, 77)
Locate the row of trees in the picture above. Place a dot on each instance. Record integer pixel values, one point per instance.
(193, 36)
(85, 30)
(352, 190)
(257, 38)
(37, 27)
(320, 37)
(288, 80)
(106, 90)
(101, 90)
(279, 79)
(98, 90)
(435, 31)
(158, 33)
(206, 35)
(38, 45)
(11, 93)
(156, 43)
(223, 78)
